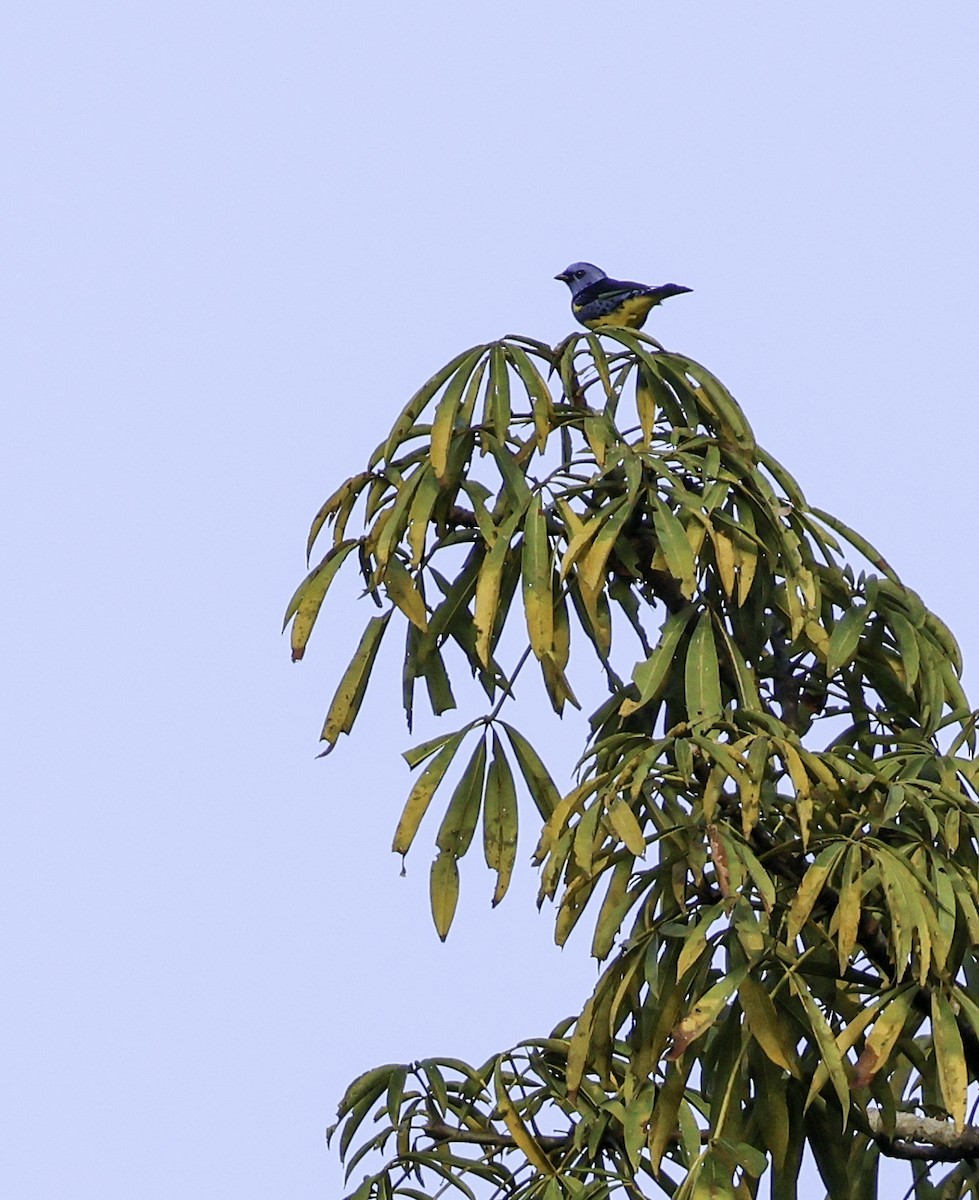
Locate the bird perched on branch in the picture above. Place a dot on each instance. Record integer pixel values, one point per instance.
(597, 300)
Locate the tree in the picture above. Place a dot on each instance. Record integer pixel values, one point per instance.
(774, 823)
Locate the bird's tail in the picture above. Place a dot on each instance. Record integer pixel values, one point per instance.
(666, 290)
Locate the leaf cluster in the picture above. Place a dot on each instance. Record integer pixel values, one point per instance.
(774, 821)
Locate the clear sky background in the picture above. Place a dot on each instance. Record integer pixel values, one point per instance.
(235, 237)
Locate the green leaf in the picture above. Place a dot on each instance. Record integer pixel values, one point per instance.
(352, 687)
(907, 645)
(618, 900)
(701, 673)
(369, 1085)
(437, 682)
(512, 470)
(719, 402)
(539, 782)
(498, 393)
(459, 823)
(500, 820)
(418, 754)
(444, 889)
(536, 573)
(826, 1043)
(650, 676)
(845, 637)
(663, 1123)
(858, 543)
(672, 538)
(766, 1025)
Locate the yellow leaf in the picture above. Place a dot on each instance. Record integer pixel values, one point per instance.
(308, 598)
(350, 691)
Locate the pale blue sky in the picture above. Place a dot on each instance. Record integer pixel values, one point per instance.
(234, 238)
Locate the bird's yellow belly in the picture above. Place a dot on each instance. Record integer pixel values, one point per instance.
(630, 314)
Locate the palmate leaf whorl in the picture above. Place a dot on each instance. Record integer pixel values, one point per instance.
(777, 809)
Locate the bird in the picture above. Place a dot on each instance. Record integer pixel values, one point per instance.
(597, 300)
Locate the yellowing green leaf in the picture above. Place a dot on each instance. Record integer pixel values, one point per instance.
(523, 1138)
(308, 598)
(489, 583)
(444, 889)
(767, 1026)
(444, 422)
(538, 391)
(811, 887)
(883, 1037)
(401, 588)
(952, 1072)
(462, 363)
(500, 820)
(350, 691)
(726, 558)
(705, 1012)
(421, 794)
(623, 821)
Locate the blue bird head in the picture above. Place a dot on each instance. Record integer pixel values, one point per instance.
(581, 275)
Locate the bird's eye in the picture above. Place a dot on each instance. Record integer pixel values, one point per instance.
(579, 274)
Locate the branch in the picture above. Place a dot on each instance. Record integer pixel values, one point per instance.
(439, 1132)
(924, 1138)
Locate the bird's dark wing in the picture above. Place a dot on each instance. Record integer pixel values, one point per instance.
(606, 295)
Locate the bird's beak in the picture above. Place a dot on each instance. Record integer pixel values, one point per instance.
(564, 277)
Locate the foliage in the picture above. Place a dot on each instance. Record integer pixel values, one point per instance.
(774, 824)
